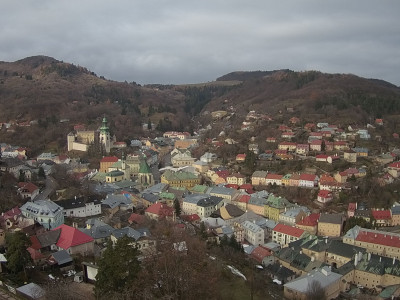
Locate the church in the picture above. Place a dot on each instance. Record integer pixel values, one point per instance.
(80, 139)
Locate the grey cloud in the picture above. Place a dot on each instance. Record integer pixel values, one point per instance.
(185, 41)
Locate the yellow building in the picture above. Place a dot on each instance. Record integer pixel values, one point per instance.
(180, 179)
(330, 225)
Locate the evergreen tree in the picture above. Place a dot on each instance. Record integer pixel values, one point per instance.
(41, 173)
(17, 254)
(149, 125)
(118, 268)
(177, 207)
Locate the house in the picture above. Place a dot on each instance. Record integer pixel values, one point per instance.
(321, 157)
(263, 256)
(141, 238)
(27, 190)
(361, 152)
(395, 211)
(324, 277)
(31, 291)
(98, 230)
(80, 207)
(236, 178)
(308, 180)
(45, 212)
(279, 274)
(324, 196)
(256, 205)
(259, 178)
(287, 135)
(226, 193)
(291, 147)
(382, 217)
(160, 211)
(285, 234)
(271, 140)
(240, 157)
(293, 214)
(74, 241)
(253, 233)
(206, 206)
(330, 225)
(350, 156)
(107, 162)
(316, 145)
(229, 213)
(379, 122)
(340, 145)
(189, 204)
(294, 180)
(181, 157)
(208, 157)
(273, 179)
(309, 223)
(302, 149)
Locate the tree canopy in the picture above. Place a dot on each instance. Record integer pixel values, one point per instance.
(118, 268)
(17, 254)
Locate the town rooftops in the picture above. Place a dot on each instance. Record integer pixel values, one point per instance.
(209, 201)
(77, 202)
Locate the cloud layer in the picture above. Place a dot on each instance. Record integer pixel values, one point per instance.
(184, 41)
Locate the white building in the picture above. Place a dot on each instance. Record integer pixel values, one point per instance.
(78, 207)
(253, 233)
(45, 212)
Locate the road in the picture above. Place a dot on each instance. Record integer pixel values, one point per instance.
(50, 188)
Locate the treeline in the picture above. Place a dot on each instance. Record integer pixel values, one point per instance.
(197, 97)
(377, 106)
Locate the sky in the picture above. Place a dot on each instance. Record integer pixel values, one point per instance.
(184, 41)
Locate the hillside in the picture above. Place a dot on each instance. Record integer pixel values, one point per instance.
(44, 91)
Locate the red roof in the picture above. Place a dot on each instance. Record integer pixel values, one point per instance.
(109, 159)
(310, 220)
(289, 230)
(223, 174)
(316, 142)
(11, 213)
(160, 209)
(136, 218)
(287, 144)
(382, 214)
(308, 177)
(378, 238)
(274, 176)
(322, 156)
(70, 237)
(35, 244)
(246, 186)
(260, 253)
(241, 156)
(35, 254)
(190, 218)
(28, 186)
(324, 194)
(352, 206)
(395, 165)
(244, 198)
(232, 186)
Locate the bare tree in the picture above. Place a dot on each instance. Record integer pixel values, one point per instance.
(315, 291)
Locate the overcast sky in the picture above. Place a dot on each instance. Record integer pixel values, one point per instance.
(184, 41)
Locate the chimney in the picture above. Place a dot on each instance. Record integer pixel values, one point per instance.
(380, 258)
(356, 260)
(369, 256)
(394, 260)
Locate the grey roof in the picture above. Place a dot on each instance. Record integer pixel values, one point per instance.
(221, 190)
(266, 223)
(262, 174)
(280, 272)
(116, 200)
(194, 198)
(251, 226)
(322, 275)
(41, 208)
(249, 249)
(156, 189)
(343, 249)
(98, 229)
(257, 201)
(49, 238)
(32, 290)
(150, 197)
(331, 218)
(209, 201)
(126, 231)
(261, 194)
(62, 257)
(396, 210)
